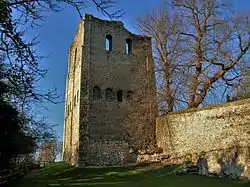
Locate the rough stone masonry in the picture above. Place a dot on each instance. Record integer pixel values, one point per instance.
(218, 134)
(106, 67)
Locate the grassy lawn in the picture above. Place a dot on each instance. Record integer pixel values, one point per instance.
(60, 174)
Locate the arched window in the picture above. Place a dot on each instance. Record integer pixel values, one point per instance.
(96, 93)
(119, 96)
(129, 95)
(128, 46)
(109, 94)
(108, 42)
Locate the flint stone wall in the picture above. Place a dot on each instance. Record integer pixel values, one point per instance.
(108, 153)
(220, 134)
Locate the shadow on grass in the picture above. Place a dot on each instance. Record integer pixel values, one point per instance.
(61, 174)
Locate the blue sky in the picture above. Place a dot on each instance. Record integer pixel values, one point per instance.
(57, 33)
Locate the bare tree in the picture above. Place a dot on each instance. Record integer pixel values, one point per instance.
(56, 148)
(218, 44)
(200, 48)
(163, 26)
(50, 150)
(45, 155)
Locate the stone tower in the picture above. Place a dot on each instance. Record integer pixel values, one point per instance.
(107, 65)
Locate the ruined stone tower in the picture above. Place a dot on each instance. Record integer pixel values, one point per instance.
(107, 66)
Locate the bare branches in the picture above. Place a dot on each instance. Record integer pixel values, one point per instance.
(188, 34)
(104, 5)
(220, 45)
(164, 28)
(205, 50)
(33, 9)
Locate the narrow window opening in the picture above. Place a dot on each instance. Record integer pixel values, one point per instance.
(96, 93)
(75, 100)
(109, 94)
(109, 42)
(128, 46)
(129, 95)
(119, 96)
(77, 96)
(75, 55)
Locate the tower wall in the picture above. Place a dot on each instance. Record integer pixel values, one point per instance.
(94, 130)
(72, 100)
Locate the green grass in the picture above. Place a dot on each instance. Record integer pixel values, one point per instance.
(60, 174)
